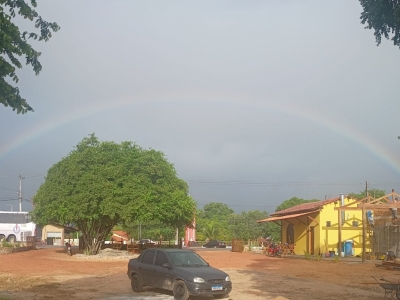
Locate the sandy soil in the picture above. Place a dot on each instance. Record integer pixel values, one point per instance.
(51, 274)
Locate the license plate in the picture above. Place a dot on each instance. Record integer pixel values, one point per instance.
(216, 288)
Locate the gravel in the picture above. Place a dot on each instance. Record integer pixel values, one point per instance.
(108, 254)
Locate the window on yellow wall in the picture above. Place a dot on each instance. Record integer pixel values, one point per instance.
(328, 223)
(355, 224)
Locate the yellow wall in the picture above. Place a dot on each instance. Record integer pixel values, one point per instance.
(52, 228)
(326, 238)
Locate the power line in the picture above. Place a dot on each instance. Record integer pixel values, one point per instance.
(270, 183)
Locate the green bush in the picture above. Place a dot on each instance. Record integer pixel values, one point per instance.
(307, 255)
(6, 244)
(336, 258)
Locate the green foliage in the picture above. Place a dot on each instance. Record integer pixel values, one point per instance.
(273, 231)
(218, 221)
(375, 193)
(336, 259)
(293, 202)
(150, 229)
(384, 17)
(14, 44)
(212, 222)
(217, 211)
(6, 244)
(318, 257)
(244, 225)
(101, 184)
(210, 231)
(307, 255)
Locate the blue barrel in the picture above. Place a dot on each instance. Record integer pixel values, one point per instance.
(348, 248)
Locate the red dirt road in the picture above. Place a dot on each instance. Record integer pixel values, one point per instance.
(50, 274)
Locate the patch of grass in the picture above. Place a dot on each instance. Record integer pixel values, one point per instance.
(307, 255)
(336, 258)
(318, 257)
(6, 244)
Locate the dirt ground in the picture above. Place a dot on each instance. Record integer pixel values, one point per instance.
(51, 274)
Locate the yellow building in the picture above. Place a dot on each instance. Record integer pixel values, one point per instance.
(314, 227)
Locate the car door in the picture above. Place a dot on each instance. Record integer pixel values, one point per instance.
(146, 268)
(162, 277)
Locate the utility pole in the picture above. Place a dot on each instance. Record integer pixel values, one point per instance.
(20, 191)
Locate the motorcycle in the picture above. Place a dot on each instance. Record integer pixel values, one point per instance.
(274, 250)
(69, 250)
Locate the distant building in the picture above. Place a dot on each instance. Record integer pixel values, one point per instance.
(120, 236)
(56, 234)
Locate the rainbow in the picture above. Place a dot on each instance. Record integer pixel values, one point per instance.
(336, 125)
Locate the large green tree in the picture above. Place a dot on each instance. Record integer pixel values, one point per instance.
(383, 16)
(14, 44)
(101, 184)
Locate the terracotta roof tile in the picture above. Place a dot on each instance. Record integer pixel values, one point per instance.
(118, 235)
(310, 206)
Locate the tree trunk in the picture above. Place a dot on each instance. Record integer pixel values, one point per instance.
(94, 233)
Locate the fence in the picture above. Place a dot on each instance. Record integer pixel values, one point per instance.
(30, 243)
(237, 245)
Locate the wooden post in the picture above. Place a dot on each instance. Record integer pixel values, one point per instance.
(363, 234)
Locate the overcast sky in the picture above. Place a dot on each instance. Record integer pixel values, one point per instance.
(254, 102)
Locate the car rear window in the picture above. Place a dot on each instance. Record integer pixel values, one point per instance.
(148, 257)
(161, 258)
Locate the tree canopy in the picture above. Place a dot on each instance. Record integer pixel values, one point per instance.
(217, 210)
(293, 202)
(101, 184)
(218, 221)
(375, 193)
(14, 44)
(383, 16)
(244, 225)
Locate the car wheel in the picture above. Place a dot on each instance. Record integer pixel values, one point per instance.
(219, 296)
(136, 283)
(180, 291)
(2, 237)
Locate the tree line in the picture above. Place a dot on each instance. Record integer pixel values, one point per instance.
(101, 185)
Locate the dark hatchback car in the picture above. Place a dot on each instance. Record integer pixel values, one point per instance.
(183, 272)
(215, 244)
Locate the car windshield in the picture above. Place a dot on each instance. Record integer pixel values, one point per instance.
(187, 259)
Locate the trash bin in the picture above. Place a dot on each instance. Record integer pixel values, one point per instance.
(348, 248)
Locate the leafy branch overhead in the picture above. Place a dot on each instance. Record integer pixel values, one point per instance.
(384, 17)
(14, 45)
